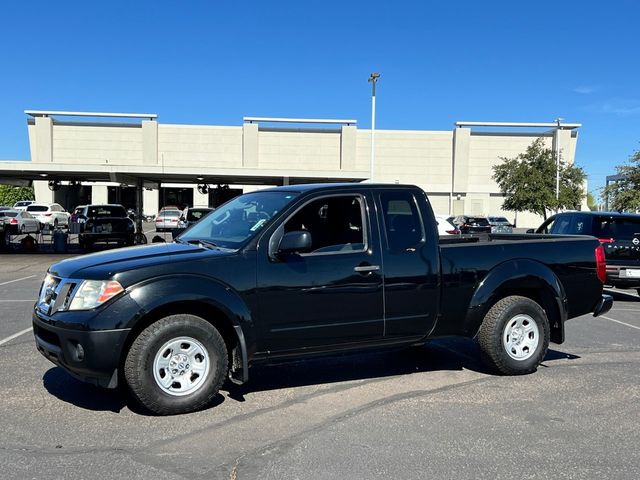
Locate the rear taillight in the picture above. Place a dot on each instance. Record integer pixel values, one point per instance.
(47, 214)
(601, 264)
(453, 232)
(13, 221)
(606, 240)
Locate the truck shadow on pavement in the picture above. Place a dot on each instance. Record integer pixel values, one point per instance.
(443, 354)
(622, 296)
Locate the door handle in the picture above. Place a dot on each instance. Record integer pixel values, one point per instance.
(366, 268)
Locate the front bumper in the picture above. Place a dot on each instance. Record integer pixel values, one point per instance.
(90, 356)
(604, 305)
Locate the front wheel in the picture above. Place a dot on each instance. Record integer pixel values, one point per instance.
(514, 336)
(176, 365)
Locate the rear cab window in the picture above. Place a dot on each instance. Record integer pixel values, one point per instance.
(402, 222)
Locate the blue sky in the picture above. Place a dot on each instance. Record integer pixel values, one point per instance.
(212, 62)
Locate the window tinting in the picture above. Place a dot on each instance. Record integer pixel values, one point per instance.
(37, 208)
(106, 211)
(335, 224)
(403, 227)
(616, 227)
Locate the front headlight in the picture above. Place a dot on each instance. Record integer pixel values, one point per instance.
(93, 293)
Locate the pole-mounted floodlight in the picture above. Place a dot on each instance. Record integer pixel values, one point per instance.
(373, 78)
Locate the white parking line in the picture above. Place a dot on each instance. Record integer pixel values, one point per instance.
(621, 323)
(15, 335)
(16, 280)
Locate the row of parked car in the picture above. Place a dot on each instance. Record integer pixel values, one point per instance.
(27, 216)
(172, 219)
(464, 224)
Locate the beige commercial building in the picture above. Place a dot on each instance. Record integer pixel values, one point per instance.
(104, 154)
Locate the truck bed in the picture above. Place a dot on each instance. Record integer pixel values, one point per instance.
(466, 262)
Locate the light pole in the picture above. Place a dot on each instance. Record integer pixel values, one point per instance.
(558, 120)
(373, 78)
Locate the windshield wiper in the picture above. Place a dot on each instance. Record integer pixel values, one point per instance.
(204, 243)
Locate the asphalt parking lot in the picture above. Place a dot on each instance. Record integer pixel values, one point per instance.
(428, 412)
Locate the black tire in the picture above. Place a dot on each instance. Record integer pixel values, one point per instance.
(494, 339)
(22, 230)
(139, 364)
(55, 223)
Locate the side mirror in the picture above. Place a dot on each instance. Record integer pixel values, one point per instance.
(531, 230)
(294, 242)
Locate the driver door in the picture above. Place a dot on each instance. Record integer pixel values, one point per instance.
(331, 294)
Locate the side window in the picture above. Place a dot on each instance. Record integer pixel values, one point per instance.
(403, 227)
(336, 224)
(581, 226)
(561, 226)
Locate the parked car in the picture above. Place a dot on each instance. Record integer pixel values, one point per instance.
(307, 269)
(105, 224)
(169, 207)
(446, 226)
(167, 220)
(500, 225)
(4, 207)
(472, 224)
(619, 234)
(190, 216)
(22, 204)
(73, 218)
(52, 215)
(18, 222)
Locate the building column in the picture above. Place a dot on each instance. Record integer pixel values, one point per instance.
(150, 201)
(348, 147)
(99, 194)
(460, 162)
(200, 199)
(149, 142)
(42, 192)
(44, 140)
(250, 145)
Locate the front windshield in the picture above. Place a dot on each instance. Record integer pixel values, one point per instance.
(233, 223)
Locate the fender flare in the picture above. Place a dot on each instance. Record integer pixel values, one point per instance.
(151, 295)
(511, 275)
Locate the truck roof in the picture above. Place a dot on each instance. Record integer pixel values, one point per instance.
(310, 187)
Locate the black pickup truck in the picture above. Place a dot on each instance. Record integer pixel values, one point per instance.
(102, 223)
(302, 270)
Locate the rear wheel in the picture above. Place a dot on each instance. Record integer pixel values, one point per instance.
(23, 229)
(176, 365)
(514, 336)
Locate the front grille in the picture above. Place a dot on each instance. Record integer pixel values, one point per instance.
(55, 294)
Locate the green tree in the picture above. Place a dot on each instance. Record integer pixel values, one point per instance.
(592, 202)
(10, 194)
(624, 194)
(528, 181)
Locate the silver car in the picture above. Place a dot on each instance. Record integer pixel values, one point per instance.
(167, 220)
(18, 222)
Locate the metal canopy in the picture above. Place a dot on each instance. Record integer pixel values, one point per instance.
(18, 172)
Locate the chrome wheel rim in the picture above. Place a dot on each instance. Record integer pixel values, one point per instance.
(181, 366)
(521, 337)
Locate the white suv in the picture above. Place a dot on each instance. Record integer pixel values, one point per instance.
(49, 214)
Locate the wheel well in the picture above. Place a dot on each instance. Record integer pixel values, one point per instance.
(543, 297)
(210, 313)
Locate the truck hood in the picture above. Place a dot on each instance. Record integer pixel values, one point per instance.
(103, 265)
